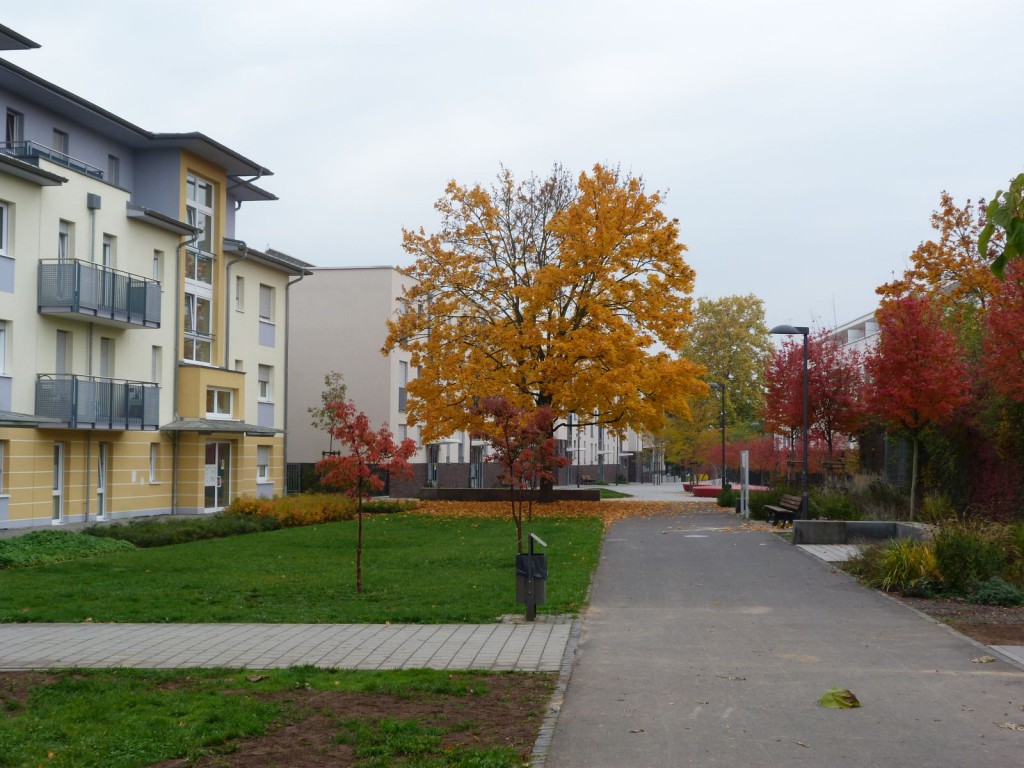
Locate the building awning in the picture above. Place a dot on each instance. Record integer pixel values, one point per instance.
(13, 419)
(12, 166)
(160, 220)
(223, 426)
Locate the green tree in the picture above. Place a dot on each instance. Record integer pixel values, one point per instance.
(729, 337)
(325, 415)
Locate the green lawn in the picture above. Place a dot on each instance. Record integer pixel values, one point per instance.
(415, 569)
(133, 718)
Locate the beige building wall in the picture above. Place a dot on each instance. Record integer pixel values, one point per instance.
(337, 322)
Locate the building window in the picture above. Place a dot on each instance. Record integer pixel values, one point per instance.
(65, 234)
(15, 126)
(63, 358)
(403, 381)
(198, 324)
(3, 346)
(60, 141)
(239, 293)
(199, 210)
(263, 379)
(4, 450)
(114, 170)
(154, 461)
(106, 358)
(219, 402)
(158, 265)
(3, 229)
(198, 267)
(266, 303)
(239, 366)
(262, 463)
(156, 365)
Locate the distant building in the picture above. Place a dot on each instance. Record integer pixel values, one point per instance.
(142, 346)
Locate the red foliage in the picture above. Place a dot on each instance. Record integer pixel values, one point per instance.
(524, 445)
(917, 374)
(835, 381)
(783, 377)
(368, 452)
(1003, 344)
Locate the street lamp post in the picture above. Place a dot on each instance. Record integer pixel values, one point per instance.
(721, 388)
(789, 330)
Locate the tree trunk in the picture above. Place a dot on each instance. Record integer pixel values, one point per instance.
(913, 479)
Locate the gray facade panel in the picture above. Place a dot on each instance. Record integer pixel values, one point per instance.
(264, 414)
(264, 490)
(6, 274)
(151, 185)
(5, 393)
(267, 334)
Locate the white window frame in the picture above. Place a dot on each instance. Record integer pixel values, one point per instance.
(113, 170)
(267, 307)
(61, 141)
(154, 462)
(264, 386)
(239, 293)
(65, 233)
(3, 346)
(3, 467)
(4, 226)
(218, 412)
(262, 463)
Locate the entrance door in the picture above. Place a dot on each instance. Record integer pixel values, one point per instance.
(476, 466)
(101, 481)
(217, 477)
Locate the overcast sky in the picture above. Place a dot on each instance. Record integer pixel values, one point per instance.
(802, 143)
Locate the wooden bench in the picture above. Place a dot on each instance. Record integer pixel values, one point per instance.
(785, 511)
(586, 479)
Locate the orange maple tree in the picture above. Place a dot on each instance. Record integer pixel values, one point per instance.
(552, 292)
(951, 271)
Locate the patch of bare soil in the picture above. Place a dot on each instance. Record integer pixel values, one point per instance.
(989, 624)
(15, 686)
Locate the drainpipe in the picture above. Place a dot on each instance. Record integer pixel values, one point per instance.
(227, 302)
(287, 328)
(178, 330)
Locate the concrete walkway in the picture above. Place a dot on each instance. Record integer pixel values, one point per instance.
(533, 647)
(707, 645)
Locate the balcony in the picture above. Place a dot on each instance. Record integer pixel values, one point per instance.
(98, 293)
(94, 402)
(29, 150)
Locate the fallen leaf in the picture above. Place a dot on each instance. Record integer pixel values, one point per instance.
(800, 743)
(1011, 726)
(983, 660)
(730, 677)
(255, 678)
(839, 698)
(637, 730)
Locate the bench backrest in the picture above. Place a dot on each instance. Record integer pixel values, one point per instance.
(790, 502)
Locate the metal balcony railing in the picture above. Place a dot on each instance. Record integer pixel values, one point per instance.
(99, 292)
(30, 149)
(95, 402)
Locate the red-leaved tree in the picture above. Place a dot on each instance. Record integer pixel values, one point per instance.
(835, 380)
(783, 378)
(917, 377)
(1004, 339)
(368, 453)
(523, 444)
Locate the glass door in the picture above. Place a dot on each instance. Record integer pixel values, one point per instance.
(58, 483)
(217, 476)
(101, 481)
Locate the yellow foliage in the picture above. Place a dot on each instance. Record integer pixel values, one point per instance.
(548, 293)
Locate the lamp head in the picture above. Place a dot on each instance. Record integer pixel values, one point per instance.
(790, 330)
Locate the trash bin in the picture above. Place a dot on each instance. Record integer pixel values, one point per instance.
(537, 566)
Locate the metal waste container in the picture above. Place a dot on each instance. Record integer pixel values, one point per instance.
(528, 565)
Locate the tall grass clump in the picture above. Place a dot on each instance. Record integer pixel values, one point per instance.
(899, 565)
(833, 505)
(760, 499)
(165, 531)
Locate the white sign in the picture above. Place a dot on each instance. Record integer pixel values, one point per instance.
(210, 477)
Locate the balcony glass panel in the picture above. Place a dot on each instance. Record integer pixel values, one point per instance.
(98, 291)
(95, 402)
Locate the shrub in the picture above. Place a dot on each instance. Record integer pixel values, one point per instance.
(292, 511)
(387, 506)
(833, 505)
(936, 508)
(162, 532)
(904, 565)
(995, 591)
(760, 499)
(41, 547)
(876, 499)
(968, 553)
(727, 497)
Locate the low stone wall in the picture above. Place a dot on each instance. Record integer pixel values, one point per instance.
(501, 494)
(847, 531)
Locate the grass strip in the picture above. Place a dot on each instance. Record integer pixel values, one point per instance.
(416, 568)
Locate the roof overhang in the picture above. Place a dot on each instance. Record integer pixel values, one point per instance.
(245, 191)
(13, 41)
(203, 146)
(270, 257)
(160, 220)
(220, 426)
(13, 419)
(12, 166)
